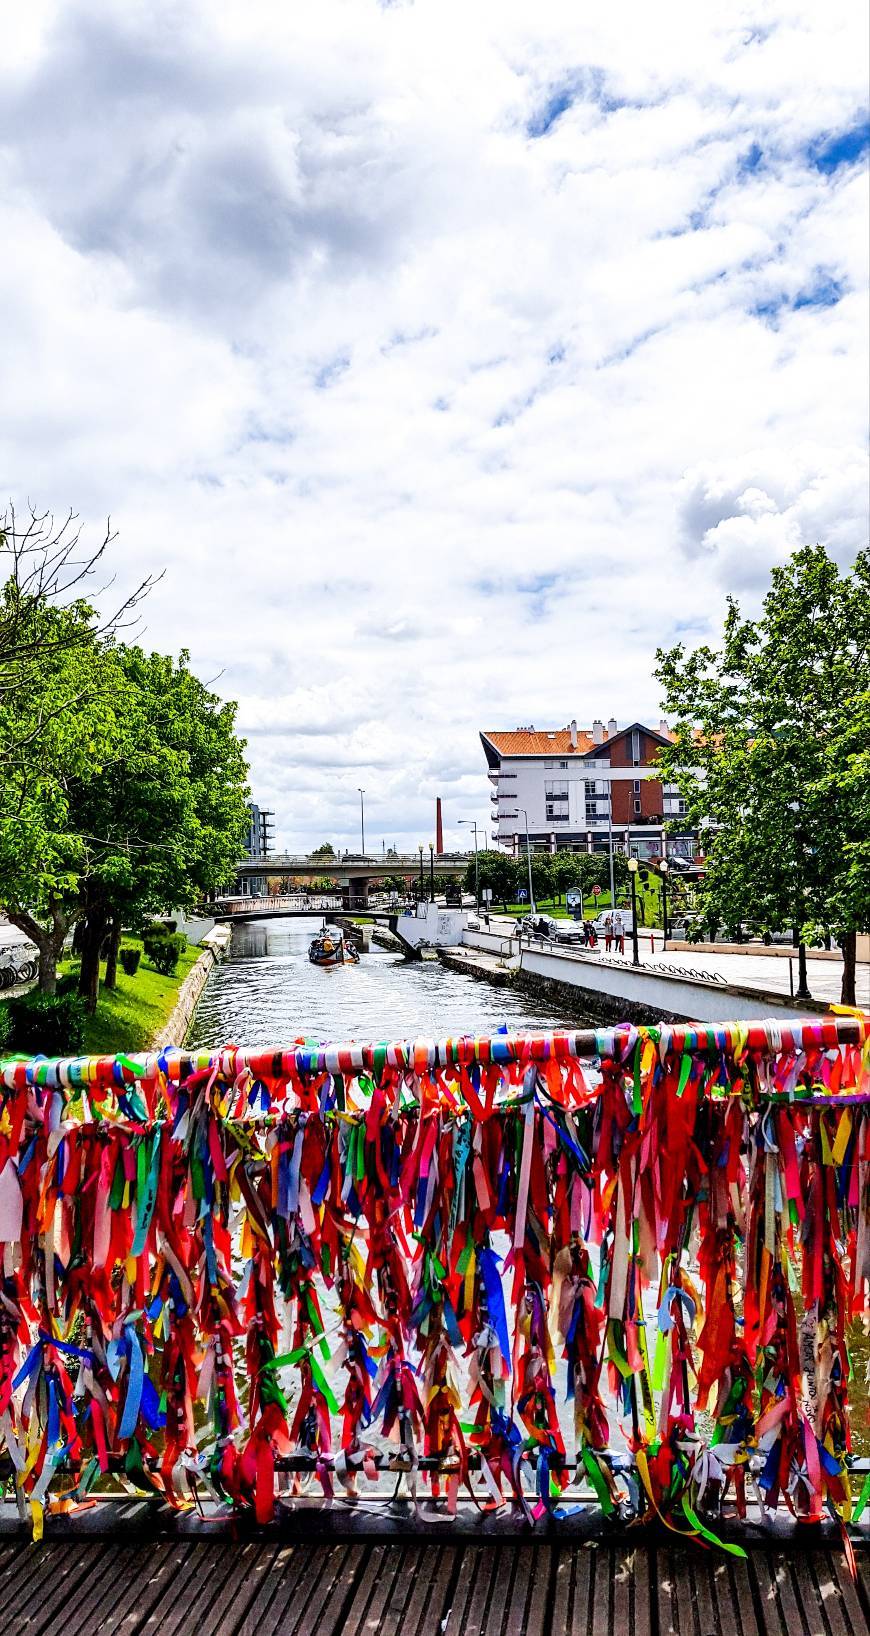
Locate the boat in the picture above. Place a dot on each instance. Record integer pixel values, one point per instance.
(331, 948)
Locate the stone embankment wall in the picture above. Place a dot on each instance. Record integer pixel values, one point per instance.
(175, 1029)
(584, 986)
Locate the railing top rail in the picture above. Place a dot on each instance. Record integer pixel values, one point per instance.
(770, 1036)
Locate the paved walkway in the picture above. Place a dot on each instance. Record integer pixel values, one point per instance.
(763, 971)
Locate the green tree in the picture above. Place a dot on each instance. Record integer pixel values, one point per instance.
(771, 754)
(165, 817)
(497, 872)
(325, 850)
(55, 732)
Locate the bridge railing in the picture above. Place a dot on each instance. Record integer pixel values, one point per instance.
(626, 1259)
(283, 903)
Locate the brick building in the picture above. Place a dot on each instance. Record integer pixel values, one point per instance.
(572, 782)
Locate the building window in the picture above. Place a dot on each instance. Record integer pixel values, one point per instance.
(637, 786)
(637, 809)
(563, 763)
(635, 747)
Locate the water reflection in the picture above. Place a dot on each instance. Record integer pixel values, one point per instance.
(267, 991)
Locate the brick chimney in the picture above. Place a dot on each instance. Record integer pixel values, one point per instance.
(597, 731)
(573, 731)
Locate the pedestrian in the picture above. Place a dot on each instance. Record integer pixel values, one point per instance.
(591, 934)
(619, 932)
(608, 933)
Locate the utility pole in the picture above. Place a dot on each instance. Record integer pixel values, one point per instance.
(362, 820)
(610, 840)
(472, 824)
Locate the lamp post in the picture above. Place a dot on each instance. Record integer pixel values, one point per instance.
(632, 875)
(422, 892)
(472, 824)
(610, 841)
(663, 871)
(529, 862)
(431, 872)
(362, 820)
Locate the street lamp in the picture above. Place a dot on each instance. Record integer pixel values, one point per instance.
(632, 876)
(472, 824)
(663, 871)
(529, 861)
(362, 820)
(431, 872)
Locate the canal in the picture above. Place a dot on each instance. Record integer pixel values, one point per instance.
(267, 991)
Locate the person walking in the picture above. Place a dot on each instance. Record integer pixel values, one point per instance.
(619, 932)
(608, 933)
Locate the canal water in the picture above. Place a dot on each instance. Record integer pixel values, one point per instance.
(267, 992)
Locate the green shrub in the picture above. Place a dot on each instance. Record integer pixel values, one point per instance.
(129, 959)
(51, 1025)
(165, 953)
(5, 1027)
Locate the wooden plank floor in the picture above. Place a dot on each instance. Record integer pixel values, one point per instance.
(192, 1587)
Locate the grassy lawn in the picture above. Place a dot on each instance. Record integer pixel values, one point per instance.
(127, 1018)
(649, 903)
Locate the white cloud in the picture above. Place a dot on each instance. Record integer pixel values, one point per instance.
(435, 422)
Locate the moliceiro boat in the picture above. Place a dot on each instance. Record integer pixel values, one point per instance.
(331, 948)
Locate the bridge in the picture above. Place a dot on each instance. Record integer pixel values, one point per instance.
(351, 872)
(253, 907)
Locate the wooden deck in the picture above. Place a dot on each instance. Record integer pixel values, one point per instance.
(73, 1586)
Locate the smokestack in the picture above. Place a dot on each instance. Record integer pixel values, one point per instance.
(597, 731)
(611, 727)
(664, 729)
(573, 735)
(439, 827)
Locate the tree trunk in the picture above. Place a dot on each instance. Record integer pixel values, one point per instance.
(847, 994)
(89, 972)
(48, 942)
(111, 977)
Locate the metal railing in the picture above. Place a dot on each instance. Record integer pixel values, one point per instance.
(408, 1255)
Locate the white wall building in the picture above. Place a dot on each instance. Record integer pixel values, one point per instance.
(570, 783)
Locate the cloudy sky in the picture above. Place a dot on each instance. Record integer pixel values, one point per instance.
(449, 356)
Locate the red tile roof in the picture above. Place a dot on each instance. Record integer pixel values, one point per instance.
(527, 743)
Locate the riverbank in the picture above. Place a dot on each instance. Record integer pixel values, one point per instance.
(128, 1017)
(148, 1010)
(658, 990)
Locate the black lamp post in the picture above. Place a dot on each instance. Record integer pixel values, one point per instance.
(431, 872)
(663, 868)
(632, 875)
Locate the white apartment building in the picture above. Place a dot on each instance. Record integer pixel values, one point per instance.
(569, 784)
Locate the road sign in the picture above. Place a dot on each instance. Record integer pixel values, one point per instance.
(573, 898)
(486, 894)
(596, 891)
(522, 894)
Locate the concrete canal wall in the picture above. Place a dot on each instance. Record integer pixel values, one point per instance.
(614, 990)
(174, 1031)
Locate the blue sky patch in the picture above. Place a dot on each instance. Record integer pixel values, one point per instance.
(825, 291)
(829, 152)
